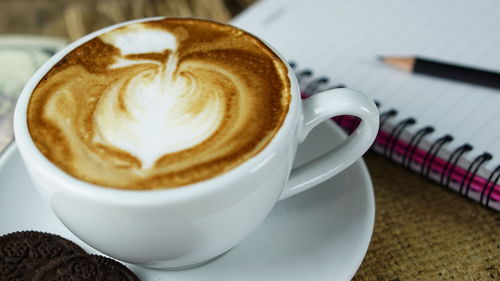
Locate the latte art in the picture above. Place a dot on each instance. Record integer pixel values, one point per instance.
(159, 104)
(160, 109)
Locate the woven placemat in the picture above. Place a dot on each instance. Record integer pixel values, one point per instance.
(422, 231)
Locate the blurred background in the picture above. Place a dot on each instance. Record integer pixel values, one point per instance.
(74, 18)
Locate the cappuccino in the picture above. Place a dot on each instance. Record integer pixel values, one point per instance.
(159, 104)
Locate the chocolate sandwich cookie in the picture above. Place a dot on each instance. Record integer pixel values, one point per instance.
(85, 268)
(22, 253)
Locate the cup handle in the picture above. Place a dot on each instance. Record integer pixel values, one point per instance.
(319, 108)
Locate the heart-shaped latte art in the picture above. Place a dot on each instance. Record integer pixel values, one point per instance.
(161, 108)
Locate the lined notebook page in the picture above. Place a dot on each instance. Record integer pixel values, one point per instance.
(341, 40)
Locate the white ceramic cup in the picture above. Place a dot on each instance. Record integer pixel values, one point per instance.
(187, 226)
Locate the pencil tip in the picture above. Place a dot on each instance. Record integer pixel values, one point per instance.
(403, 63)
(380, 58)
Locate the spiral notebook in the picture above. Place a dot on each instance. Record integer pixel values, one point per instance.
(447, 131)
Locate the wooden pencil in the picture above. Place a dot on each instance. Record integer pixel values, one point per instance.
(445, 70)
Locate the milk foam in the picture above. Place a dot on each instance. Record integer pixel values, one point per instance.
(139, 39)
(155, 119)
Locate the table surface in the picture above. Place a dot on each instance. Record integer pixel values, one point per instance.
(422, 231)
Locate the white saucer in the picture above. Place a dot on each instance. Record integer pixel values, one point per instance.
(320, 234)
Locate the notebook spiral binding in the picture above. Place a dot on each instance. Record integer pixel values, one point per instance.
(390, 143)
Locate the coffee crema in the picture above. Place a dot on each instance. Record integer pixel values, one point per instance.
(160, 104)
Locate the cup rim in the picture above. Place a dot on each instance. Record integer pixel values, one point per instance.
(36, 158)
